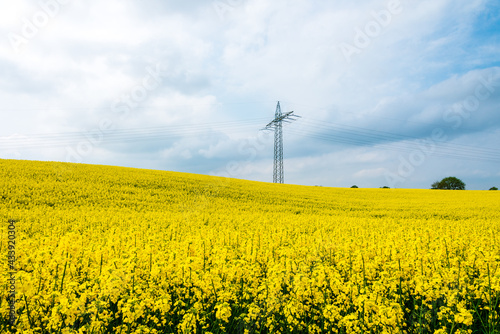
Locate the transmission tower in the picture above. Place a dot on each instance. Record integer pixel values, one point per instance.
(277, 125)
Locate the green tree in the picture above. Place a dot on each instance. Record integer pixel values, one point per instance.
(354, 186)
(449, 183)
(493, 188)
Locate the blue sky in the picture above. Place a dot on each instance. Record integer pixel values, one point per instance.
(397, 93)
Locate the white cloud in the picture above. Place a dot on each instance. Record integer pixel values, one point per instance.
(369, 174)
(91, 54)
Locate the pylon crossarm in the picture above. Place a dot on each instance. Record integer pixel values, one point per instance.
(283, 117)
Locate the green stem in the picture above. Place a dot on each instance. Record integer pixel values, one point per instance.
(64, 274)
(28, 311)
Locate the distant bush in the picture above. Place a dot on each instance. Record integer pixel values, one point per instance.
(449, 183)
(385, 187)
(493, 188)
(354, 186)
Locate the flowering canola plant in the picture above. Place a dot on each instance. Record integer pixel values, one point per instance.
(103, 249)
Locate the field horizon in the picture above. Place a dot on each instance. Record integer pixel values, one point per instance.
(60, 166)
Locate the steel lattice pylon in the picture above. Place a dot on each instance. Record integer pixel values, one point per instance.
(277, 125)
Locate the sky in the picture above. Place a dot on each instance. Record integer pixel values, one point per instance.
(397, 93)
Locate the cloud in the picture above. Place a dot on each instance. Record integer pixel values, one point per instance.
(230, 61)
(369, 173)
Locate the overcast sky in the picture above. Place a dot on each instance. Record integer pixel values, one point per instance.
(390, 93)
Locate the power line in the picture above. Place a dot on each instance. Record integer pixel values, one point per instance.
(393, 142)
(383, 136)
(405, 121)
(126, 135)
(315, 129)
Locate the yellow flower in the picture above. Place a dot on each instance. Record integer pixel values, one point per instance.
(223, 312)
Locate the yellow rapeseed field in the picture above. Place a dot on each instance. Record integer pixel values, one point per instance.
(102, 249)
